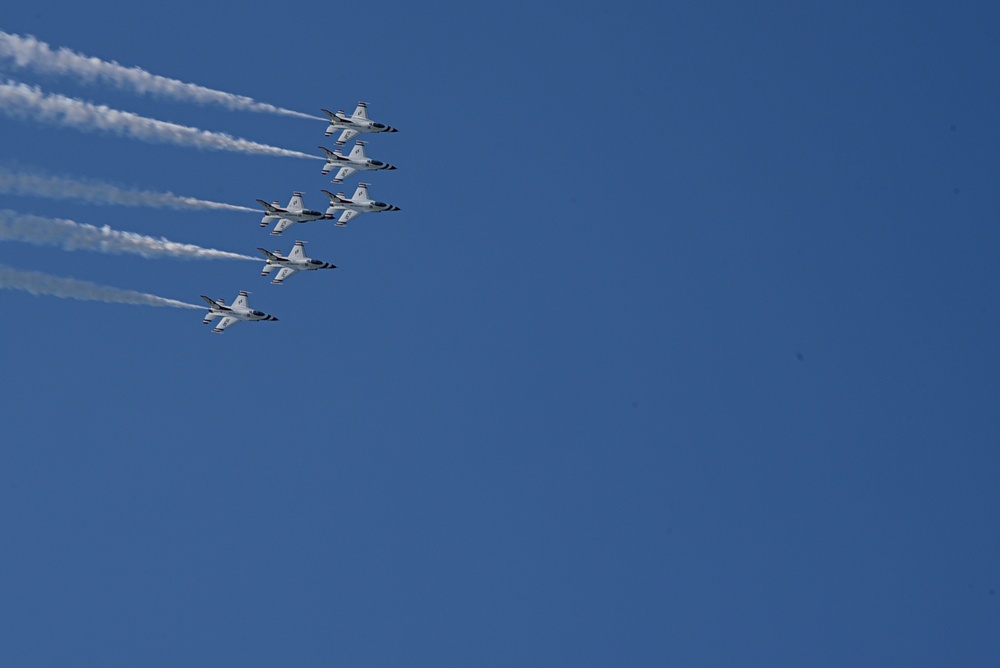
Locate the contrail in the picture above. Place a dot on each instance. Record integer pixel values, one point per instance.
(29, 53)
(38, 283)
(71, 236)
(21, 101)
(58, 187)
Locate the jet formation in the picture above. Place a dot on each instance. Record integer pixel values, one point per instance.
(342, 209)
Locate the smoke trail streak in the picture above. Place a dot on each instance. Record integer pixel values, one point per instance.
(71, 236)
(38, 283)
(57, 187)
(21, 101)
(30, 53)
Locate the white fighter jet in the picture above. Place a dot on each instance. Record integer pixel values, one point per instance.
(354, 125)
(286, 266)
(357, 160)
(230, 315)
(295, 212)
(355, 206)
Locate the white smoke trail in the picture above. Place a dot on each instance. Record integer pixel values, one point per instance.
(38, 283)
(21, 101)
(71, 236)
(57, 187)
(29, 53)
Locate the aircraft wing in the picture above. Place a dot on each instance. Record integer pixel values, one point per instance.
(347, 135)
(343, 174)
(282, 225)
(298, 252)
(358, 153)
(225, 322)
(283, 273)
(347, 216)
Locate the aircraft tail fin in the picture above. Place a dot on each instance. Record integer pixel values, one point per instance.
(270, 208)
(334, 198)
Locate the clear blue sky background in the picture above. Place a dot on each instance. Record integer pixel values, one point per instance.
(682, 351)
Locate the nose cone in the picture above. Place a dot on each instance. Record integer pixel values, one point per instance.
(393, 130)
(394, 208)
(391, 167)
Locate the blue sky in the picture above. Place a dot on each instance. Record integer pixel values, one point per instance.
(682, 350)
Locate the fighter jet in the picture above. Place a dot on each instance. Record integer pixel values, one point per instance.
(355, 206)
(286, 266)
(352, 163)
(289, 215)
(355, 125)
(230, 315)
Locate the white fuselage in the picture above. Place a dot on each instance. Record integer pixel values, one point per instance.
(364, 206)
(297, 265)
(358, 125)
(367, 164)
(238, 313)
(299, 216)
